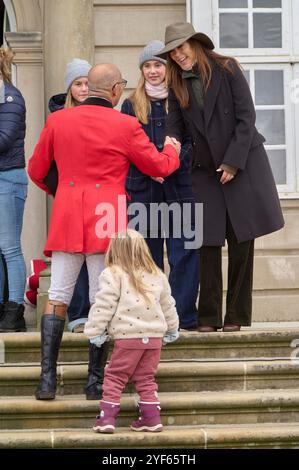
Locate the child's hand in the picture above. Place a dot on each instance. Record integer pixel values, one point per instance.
(99, 340)
(170, 336)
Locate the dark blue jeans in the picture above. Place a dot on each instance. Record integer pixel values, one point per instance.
(79, 306)
(183, 277)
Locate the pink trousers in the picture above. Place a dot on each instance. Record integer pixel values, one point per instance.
(139, 365)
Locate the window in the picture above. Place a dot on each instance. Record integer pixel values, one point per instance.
(274, 118)
(252, 24)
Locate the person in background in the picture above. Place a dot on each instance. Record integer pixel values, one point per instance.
(149, 104)
(92, 173)
(210, 100)
(13, 193)
(135, 307)
(76, 84)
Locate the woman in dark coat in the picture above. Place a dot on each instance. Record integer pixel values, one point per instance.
(210, 100)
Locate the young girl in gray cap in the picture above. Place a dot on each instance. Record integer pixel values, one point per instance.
(149, 104)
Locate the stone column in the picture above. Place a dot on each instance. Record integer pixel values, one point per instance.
(69, 33)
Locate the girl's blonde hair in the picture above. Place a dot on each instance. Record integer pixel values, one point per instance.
(6, 57)
(128, 250)
(205, 58)
(69, 100)
(140, 101)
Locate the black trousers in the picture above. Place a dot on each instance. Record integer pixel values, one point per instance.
(240, 278)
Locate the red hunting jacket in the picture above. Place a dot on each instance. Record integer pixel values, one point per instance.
(93, 146)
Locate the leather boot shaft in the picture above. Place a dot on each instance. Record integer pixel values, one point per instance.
(51, 334)
(12, 318)
(96, 367)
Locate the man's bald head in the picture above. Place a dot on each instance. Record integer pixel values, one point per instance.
(102, 77)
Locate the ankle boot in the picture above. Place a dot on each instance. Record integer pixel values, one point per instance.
(51, 334)
(96, 366)
(12, 318)
(105, 421)
(149, 419)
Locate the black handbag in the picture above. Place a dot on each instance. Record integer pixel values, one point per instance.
(51, 180)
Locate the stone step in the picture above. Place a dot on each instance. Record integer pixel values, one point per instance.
(178, 409)
(179, 376)
(247, 343)
(271, 435)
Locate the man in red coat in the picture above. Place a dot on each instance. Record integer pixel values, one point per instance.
(93, 146)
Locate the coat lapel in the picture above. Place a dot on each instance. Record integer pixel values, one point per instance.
(211, 95)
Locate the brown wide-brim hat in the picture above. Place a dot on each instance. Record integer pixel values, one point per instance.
(177, 33)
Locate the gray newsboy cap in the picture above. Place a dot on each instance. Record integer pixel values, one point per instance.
(150, 51)
(75, 69)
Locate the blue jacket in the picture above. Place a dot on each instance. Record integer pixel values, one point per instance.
(177, 187)
(12, 129)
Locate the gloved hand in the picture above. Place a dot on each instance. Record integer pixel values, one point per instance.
(99, 340)
(170, 336)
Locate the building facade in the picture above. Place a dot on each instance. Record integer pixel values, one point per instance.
(262, 34)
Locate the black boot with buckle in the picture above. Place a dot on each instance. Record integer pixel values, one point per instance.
(96, 366)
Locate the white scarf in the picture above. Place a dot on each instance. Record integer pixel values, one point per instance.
(158, 92)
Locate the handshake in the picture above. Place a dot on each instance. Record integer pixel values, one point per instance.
(175, 143)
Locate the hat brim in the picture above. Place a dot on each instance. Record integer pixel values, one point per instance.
(201, 37)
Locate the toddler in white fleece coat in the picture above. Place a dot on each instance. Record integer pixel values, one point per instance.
(133, 306)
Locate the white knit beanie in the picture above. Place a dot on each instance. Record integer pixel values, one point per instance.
(149, 52)
(75, 69)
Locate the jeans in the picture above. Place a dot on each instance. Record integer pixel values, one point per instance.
(13, 193)
(79, 306)
(183, 277)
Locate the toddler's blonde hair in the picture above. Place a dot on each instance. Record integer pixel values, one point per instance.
(128, 250)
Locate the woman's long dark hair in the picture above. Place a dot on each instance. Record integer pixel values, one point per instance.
(205, 58)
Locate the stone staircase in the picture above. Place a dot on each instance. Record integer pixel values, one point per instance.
(217, 390)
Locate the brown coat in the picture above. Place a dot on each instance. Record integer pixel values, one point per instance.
(225, 133)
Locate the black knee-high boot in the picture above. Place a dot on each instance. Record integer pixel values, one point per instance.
(96, 366)
(51, 334)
